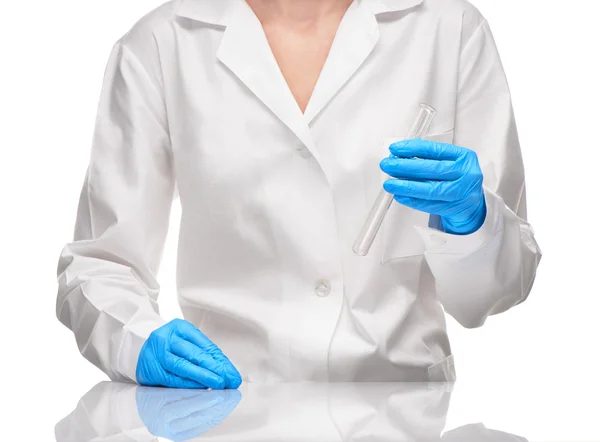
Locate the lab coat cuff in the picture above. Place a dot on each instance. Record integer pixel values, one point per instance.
(439, 242)
(135, 336)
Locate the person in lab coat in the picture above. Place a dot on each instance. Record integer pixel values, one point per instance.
(275, 123)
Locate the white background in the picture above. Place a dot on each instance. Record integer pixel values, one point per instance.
(528, 371)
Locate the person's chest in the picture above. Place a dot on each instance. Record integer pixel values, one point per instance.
(234, 118)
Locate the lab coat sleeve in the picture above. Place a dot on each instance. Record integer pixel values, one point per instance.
(493, 269)
(108, 290)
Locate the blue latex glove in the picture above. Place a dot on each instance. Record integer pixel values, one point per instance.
(178, 355)
(440, 179)
(181, 415)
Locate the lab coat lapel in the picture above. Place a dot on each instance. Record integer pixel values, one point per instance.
(356, 38)
(213, 12)
(383, 6)
(246, 52)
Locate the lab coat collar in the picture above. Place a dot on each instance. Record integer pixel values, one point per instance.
(383, 6)
(215, 11)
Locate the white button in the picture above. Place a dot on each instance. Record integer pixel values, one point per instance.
(304, 152)
(322, 288)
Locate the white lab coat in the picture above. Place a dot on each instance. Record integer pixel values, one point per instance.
(272, 200)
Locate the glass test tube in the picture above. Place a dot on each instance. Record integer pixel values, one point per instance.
(384, 199)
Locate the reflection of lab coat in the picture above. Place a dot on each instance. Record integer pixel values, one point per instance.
(277, 412)
(273, 199)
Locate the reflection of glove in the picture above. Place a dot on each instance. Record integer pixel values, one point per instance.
(440, 179)
(479, 433)
(181, 415)
(178, 355)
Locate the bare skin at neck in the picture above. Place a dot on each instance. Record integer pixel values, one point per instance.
(300, 34)
(298, 14)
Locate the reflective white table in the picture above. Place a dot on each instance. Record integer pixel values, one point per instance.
(280, 412)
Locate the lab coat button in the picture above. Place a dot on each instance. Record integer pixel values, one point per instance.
(304, 152)
(322, 288)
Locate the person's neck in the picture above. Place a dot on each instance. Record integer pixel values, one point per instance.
(298, 14)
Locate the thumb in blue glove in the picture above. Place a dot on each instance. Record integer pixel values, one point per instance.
(440, 179)
(178, 355)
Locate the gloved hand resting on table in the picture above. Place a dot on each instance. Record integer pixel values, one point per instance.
(440, 179)
(178, 355)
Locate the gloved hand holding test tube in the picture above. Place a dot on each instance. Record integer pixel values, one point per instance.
(384, 199)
